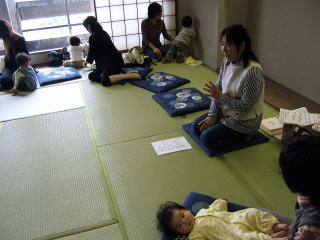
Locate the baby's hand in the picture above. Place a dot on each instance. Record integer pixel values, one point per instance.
(13, 91)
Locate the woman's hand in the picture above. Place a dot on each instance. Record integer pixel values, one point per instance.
(212, 90)
(207, 122)
(156, 50)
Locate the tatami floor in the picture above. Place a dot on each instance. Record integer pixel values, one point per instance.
(77, 162)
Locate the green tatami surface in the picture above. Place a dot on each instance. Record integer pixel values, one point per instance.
(111, 232)
(92, 173)
(276, 194)
(43, 101)
(50, 180)
(122, 113)
(257, 161)
(141, 180)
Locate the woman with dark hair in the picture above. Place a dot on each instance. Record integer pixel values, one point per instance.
(237, 98)
(108, 59)
(151, 29)
(13, 43)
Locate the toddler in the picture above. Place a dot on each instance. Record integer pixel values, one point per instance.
(25, 78)
(76, 49)
(300, 163)
(181, 43)
(217, 223)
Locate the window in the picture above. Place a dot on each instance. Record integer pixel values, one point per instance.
(122, 19)
(48, 24)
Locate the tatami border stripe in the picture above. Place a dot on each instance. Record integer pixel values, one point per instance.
(113, 206)
(78, 230)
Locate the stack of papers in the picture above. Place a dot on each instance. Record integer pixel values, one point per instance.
(300, 117)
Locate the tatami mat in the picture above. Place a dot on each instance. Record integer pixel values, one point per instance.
(141, 180)
(121, 113)
(256, 161)
(111, 232)
(50, 179)
(276, 194)
(133, 110)
(40, 101)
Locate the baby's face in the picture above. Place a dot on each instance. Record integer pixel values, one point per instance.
(182, 221)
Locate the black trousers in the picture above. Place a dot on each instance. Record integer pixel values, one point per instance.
(105, 69)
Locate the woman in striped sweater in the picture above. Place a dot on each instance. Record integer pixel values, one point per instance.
(237, 98)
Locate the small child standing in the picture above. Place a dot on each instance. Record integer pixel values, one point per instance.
(217, 223)
(181, 44)
(25, 78)
(76, 49)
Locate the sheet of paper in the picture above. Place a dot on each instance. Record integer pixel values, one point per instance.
(171, 145)
(299, 116)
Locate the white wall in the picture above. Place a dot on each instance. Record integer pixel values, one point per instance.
(286, 34)
(205, 18)
(230, 12)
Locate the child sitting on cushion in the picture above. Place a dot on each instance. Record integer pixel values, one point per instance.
(217, 223)
(300, 163)
(76, 49)
(25, 78)
(181, 43)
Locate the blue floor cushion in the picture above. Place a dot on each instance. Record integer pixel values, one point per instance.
(159, 82)
(196, 201)
(257, 139)
(182, 101)
(56, 75)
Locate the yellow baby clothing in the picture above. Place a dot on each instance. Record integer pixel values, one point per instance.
(216, 223)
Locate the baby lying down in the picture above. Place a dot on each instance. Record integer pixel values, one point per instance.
(217, 223)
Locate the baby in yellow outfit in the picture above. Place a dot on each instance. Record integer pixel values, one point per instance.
(217, 223)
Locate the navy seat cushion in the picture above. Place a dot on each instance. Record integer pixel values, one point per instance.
(257, 139)
(56, 75)
(143, 71)
(196, 201)
(182, 101)
(159, 82)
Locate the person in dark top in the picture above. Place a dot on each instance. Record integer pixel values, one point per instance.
(151, 29)
(13, 43)
(299, 164)
(108, 60)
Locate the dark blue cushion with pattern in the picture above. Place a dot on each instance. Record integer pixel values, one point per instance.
(160, 82)
(56, 75)
(182, 101)
(254, 140)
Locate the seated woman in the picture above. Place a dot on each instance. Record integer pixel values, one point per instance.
(151, 29)
(237, 98)
(13, 43)
(108, 59)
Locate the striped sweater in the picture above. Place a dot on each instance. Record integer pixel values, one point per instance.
(246, 103)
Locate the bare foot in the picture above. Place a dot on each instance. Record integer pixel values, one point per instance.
(134, 75)
(280, 227)
(280, 234)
